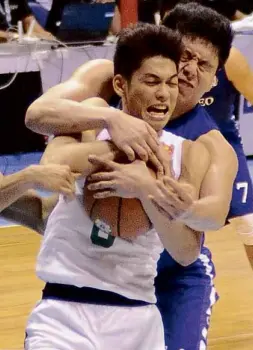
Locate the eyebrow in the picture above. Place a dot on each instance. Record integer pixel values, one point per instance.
(151, 75)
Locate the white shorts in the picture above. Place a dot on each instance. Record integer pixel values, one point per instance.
(62, 325)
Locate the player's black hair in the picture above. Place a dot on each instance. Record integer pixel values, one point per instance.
(142, 41)
(199, 22)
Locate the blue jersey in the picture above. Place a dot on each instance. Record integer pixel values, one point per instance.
(221, 102)
(192, 124)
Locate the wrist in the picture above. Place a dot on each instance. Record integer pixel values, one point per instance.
(144, 189)
(31, 176)
(109, 116)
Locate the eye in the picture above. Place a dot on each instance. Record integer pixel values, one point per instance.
(186, 56)
(151, 82)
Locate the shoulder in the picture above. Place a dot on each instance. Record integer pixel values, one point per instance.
(95, 67)
(216, 143)
(93, 78)
(96, 77)
(220, 151)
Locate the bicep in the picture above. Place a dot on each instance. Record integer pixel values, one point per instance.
(56, 147)
(92, 79)
(221, 173)
(196, 162)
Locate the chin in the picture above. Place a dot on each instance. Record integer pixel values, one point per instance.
(157, 126)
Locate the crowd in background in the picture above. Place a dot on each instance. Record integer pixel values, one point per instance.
(45, 17)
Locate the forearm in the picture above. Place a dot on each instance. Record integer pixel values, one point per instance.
(62, 116)
(5, 36)
(75, 155)
(182, 242)
(37, 29)
(31, 210)
(14, 186)
(206, 214)
(26, 211)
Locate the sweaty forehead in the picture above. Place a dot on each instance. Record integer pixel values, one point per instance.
(200, 48)
(159, 66)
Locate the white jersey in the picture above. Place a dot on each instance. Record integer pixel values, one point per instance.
(71, 252)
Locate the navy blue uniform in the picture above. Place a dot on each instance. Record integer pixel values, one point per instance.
(185, 295)
(222, 104)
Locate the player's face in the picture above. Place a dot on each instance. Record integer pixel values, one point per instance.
(152, 92)
(197, 71)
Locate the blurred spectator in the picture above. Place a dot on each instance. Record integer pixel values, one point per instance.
(26, 87)
(12, 11)
(56, 12)
(40, 10)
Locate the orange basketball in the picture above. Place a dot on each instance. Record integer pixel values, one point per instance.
(122, 217)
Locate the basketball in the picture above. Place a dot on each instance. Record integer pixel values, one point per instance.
(121, 217)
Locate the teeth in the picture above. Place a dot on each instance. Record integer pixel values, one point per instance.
(162, 108)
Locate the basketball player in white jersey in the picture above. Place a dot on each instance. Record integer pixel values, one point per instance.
(99, 289)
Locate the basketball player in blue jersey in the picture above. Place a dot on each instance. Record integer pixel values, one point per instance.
(80, 272)
(186, 319)
(221, 102)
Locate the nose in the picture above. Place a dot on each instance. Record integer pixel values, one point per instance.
(189, 69)
(163, 92)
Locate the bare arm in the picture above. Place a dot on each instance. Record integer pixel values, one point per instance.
(31, 210)
(209, 212)
(67, 150)
(59, 110)
(54, 178)
(66, 109)
(134, 181)
(240, 73)
(183, 241)
(37, 29)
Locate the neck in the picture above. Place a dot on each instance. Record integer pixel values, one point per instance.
(179, 111)
(125, 110)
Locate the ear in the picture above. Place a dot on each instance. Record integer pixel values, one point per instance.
(119, 85)
(215, 81)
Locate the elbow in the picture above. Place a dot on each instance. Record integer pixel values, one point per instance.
(220, 221)
(187, 256)
(216, 225)
(188, 259)
(35, 117)
(32, 117)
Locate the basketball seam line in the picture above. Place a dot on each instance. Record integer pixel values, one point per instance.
(119, 215)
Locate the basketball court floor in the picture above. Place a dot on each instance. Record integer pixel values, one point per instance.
(232, 321)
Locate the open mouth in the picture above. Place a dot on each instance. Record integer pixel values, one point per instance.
(158, 111)
(184, 82)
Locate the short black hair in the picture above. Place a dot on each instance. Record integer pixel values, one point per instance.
(226, 8)
(141, 41)
(199, 22)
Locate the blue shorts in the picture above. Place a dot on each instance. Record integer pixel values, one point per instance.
(242, 199)
(185, 297)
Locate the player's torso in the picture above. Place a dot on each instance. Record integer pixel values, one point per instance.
(76, 252)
